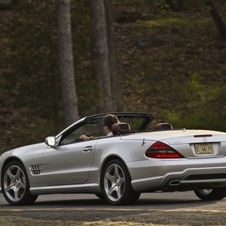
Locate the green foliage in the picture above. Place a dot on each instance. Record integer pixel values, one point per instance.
(194, 120)
(199, 103)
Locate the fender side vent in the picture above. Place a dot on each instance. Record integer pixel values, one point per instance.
(35, 170)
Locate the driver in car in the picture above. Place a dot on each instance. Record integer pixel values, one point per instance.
(108, 121)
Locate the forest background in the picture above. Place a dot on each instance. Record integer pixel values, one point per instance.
(169, 56)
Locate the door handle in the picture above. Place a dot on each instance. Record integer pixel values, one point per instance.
(88, 149)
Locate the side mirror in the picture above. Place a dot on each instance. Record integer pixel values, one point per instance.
(50, 141)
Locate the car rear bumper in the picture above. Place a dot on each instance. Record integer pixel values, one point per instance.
(179, 177)
(179, 181)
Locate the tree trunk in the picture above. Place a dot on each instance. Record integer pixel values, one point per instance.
(217, 19)
(66, 66)
(101, 54)
(115, 83)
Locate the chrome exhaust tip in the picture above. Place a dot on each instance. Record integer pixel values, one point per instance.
(174, 182)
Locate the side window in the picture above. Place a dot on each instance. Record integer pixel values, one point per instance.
(91, 128)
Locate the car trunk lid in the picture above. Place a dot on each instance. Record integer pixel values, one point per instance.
(189, 143)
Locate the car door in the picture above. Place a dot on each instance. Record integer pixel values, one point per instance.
(68, 164)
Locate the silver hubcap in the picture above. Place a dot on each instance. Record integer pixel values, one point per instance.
(14, 183)
(114, 182)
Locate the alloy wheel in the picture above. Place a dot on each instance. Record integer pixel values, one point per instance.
(114, 182)
(14, 183)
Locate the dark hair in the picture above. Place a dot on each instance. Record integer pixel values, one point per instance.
(109, 120)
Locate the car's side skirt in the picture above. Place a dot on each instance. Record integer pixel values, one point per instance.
(81, 188)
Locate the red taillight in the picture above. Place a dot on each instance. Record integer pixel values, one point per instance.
(161, 150)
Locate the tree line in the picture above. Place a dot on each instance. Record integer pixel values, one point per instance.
(61, 61)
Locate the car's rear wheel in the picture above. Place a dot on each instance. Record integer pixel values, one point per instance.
(211, 194)
(15, 185)
(116, 184)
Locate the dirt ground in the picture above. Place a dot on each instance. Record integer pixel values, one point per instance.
(163, 209)
(113, 218)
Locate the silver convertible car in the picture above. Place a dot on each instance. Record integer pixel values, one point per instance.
(137, 158)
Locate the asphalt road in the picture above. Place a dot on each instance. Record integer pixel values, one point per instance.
(178, 208)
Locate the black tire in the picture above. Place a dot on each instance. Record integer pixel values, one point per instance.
(211, 194)
(15, 185)
(100, 196)
(116, 184)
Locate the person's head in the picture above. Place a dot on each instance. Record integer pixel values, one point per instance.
(108, 121)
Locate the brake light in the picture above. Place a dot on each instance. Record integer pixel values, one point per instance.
(161, 150)
(204, 135)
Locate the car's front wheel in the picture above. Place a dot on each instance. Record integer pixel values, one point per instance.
(116, 184)
(211, 194)
(15, 185)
